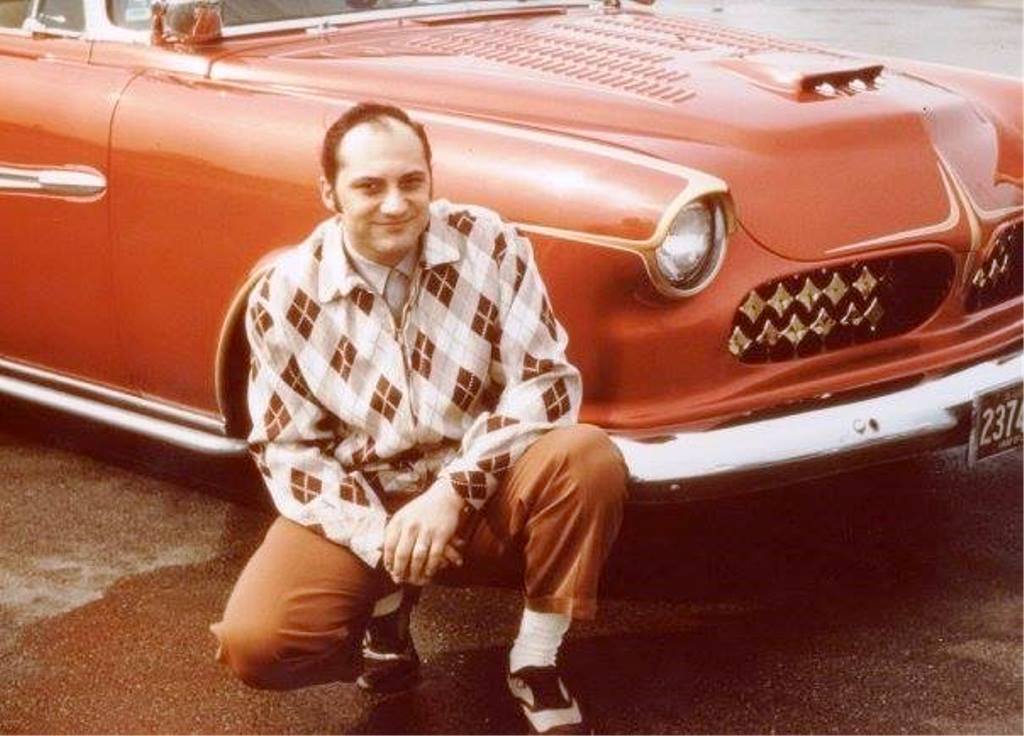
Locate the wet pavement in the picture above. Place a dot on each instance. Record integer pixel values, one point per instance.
(883, 601)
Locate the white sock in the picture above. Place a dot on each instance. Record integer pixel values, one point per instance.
(540, 636)
(387, 604)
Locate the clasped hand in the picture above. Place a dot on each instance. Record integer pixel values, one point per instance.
(419, 538)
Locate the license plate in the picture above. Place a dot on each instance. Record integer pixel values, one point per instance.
(996, 426)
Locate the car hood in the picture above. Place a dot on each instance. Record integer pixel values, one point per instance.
(824, 152)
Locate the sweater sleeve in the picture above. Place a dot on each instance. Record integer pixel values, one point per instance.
(293, 436)
(539, 388)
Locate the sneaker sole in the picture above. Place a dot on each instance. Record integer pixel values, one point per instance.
(386, 686)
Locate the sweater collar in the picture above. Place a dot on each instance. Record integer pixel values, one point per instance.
(338, 275)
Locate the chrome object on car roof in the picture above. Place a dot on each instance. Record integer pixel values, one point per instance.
(189, 22)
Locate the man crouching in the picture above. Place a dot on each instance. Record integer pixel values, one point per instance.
(414, 418)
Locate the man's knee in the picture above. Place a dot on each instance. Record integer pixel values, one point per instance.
(249, 650)
(592, 461)
(261, 657)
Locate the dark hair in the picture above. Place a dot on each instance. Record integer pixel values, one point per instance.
(364, 112)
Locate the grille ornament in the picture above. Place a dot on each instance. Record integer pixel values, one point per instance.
(874, 313)
(792, 317)
(865, 282)
(739, 342)
(822, 324)
(795, 331)
(809, 294)
(1000, 276)
(852, 317)
(752, 306)
(836, 289)
(769, 334)
(780, 300)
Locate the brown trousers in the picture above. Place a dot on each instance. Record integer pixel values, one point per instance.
(298, 611)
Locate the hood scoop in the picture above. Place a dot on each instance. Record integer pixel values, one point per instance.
(801, 74)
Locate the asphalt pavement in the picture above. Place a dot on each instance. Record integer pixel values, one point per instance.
(882, 601)
(887, 600)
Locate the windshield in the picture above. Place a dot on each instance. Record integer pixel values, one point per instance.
(136, 14)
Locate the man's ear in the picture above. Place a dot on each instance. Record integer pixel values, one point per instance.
(327, 196)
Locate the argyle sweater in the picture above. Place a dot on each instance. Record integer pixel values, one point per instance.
(355, 411)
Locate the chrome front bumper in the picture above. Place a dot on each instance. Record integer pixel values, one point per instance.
(686, 466)
(811, 443)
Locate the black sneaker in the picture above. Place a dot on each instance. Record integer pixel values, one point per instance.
(390, 661)
(546, 701)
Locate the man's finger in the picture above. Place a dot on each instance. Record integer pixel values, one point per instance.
(435, 559)
(420, 557)
(452, 555)
(392, 533)
(403, 552)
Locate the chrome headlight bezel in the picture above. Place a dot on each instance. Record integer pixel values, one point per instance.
(693, 249)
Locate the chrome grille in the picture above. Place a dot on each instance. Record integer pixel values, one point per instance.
(831, 308)
(999, 275)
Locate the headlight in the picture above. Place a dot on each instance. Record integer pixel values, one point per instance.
(692, 252)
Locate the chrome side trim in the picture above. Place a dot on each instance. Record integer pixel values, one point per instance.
(101, 394)
(812, 443)
(56, 182)
(189, 438)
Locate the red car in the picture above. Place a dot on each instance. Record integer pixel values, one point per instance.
(773, 260)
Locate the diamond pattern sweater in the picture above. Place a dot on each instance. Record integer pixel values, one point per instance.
(354, 411)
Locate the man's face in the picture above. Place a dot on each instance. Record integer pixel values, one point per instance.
(382, 190)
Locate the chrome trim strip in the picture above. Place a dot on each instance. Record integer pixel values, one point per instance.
(99, 26)
(315, 25)
(697, 184)
(191, 439)
(812, 443)
(175, 434)
(235, 316)
(34, 27)
(65, 386)
(57, 182)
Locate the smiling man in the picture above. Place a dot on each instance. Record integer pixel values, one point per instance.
(414, 418)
